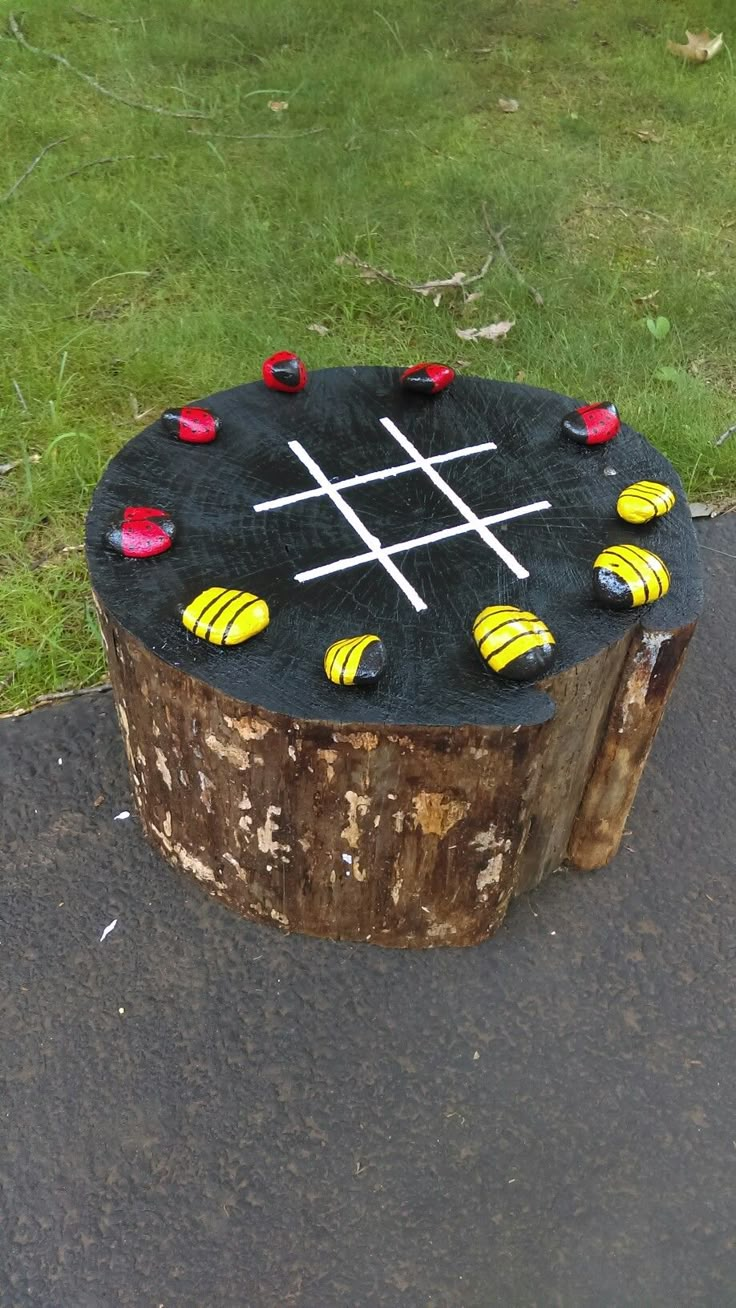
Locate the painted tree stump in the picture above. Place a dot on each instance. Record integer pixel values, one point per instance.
(320, 727)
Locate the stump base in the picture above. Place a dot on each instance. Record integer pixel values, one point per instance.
(409, 836)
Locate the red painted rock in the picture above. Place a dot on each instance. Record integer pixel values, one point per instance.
(592, 424)
(427, 378)
(195, 426)
(284, 372)
(141, 533)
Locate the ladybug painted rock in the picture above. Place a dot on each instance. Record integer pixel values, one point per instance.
(427, 378)
(141, 533)
(592, 424)
(284, 372)
(195, 426)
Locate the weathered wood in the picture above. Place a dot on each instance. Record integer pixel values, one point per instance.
(650, 670)
(413, 836)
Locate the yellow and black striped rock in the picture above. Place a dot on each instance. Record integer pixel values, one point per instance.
(225, 617)
(514, 643)
(355, 661)
(643, 501)
(627, 576)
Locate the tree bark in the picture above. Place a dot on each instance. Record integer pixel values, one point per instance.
(409, 836)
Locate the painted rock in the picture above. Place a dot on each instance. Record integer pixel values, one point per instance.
(427, 378)
(627, 576)
(355, 661)
(141, 533)
(644, 500)
(225, 617)
(284, 372)
(195, 426)
(592, 424)
(515, 644)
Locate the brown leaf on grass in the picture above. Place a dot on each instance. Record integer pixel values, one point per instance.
(18, 463)
(278, 106)
(701, 46)
(493, 332)
(507, 106)
(648, 137)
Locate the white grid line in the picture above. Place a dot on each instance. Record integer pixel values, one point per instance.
(363, 478)
(462, 508)
(341, 565)
(378, 553)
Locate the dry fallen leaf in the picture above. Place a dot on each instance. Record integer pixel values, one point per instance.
(508, 106)
(492, 332)
(699, 510)
(701, 46)
(319, 328)
(646, 299)
(648, 137)
(278, 106)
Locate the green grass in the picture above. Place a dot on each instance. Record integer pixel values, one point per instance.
(153, 280)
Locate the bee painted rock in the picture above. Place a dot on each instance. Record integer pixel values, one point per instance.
(194, 426)
(427, 378)
(225, 617)
(355, 661)
(592, 424)
(643, 501)
(141, 533)
(515, 644)
(627, 576)
(284, 372)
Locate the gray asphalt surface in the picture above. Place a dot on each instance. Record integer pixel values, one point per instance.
(198, 1112)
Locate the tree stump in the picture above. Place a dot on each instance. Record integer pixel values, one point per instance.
(409, 809)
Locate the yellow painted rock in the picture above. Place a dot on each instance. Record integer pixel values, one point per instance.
(515, 644)
(225, 617)
(355, 661)
(627, 576)
(643, 501)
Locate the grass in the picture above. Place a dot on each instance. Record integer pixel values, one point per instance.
(156, 278)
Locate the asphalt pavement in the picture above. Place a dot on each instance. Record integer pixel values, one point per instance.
(200, 1112)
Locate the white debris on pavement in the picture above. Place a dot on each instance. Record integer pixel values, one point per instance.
(110, 927)
(120, 817)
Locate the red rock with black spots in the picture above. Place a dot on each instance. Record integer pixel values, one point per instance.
(284, 372)
(192, 425)
(141, 533)
(592, 424)
(427, 378)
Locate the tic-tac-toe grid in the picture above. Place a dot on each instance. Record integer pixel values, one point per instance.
(378, 552)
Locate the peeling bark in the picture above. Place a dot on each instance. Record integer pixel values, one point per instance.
(415, 839)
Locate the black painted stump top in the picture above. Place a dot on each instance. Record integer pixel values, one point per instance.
(406, 556)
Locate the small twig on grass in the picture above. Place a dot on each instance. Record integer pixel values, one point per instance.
(371, 274)
(16, 32)
(55, 695)
(260, 136)
(30, 168)
(109, 159)
(98, 18)
(496, 236)
(458, 282)
(725, 435)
